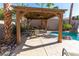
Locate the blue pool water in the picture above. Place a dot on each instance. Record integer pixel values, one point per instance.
(75, 36)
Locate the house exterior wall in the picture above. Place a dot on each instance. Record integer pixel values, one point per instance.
(36, 23)
(67, 21)
(52, 24)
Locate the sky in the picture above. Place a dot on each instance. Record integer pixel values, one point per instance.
(60, 6)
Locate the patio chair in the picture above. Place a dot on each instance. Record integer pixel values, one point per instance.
(64, 52)
(70, 48)
(34, 33)
(37, 33)
(67, 37)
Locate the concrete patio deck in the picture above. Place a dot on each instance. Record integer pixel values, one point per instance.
(40, 46)
(45, 46)
(72, 47)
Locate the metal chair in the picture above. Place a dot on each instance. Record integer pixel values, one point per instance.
(64, 52)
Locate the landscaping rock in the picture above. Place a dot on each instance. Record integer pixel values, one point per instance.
(7, 49)
(3, 49)
(13, 54)
(7, 53)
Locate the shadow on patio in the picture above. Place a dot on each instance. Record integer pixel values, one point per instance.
(39, 46)
(47, 36)
(31, 47)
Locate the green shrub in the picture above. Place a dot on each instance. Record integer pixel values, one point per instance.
(67, 26)
(22, 27)
(1, 14)
(14, 29)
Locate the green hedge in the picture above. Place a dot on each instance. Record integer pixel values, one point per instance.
(23, 28)
(67, 26)
(1, 14)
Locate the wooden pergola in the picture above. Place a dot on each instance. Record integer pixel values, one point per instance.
(42, 14)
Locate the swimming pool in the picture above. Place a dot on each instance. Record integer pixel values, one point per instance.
(75, 36)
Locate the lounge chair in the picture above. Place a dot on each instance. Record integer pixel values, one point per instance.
(70, 48)
(64, 52)
(67, 53)
(67, 38)
(34, 33)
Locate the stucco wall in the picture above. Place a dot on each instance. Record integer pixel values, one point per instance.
(35, 23)
(72, 21)
(52, 24)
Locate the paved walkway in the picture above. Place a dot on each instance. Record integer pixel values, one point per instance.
(40, 46)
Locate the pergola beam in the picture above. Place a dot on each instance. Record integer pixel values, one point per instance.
(46, 10)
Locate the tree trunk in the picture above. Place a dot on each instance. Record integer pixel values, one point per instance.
(7, 23)
(70, 16)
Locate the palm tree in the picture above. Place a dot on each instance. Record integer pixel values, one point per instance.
(70, 15)
(7, 23)
(41, 4)
(51, 5)
(22, 4)
(48, 5)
